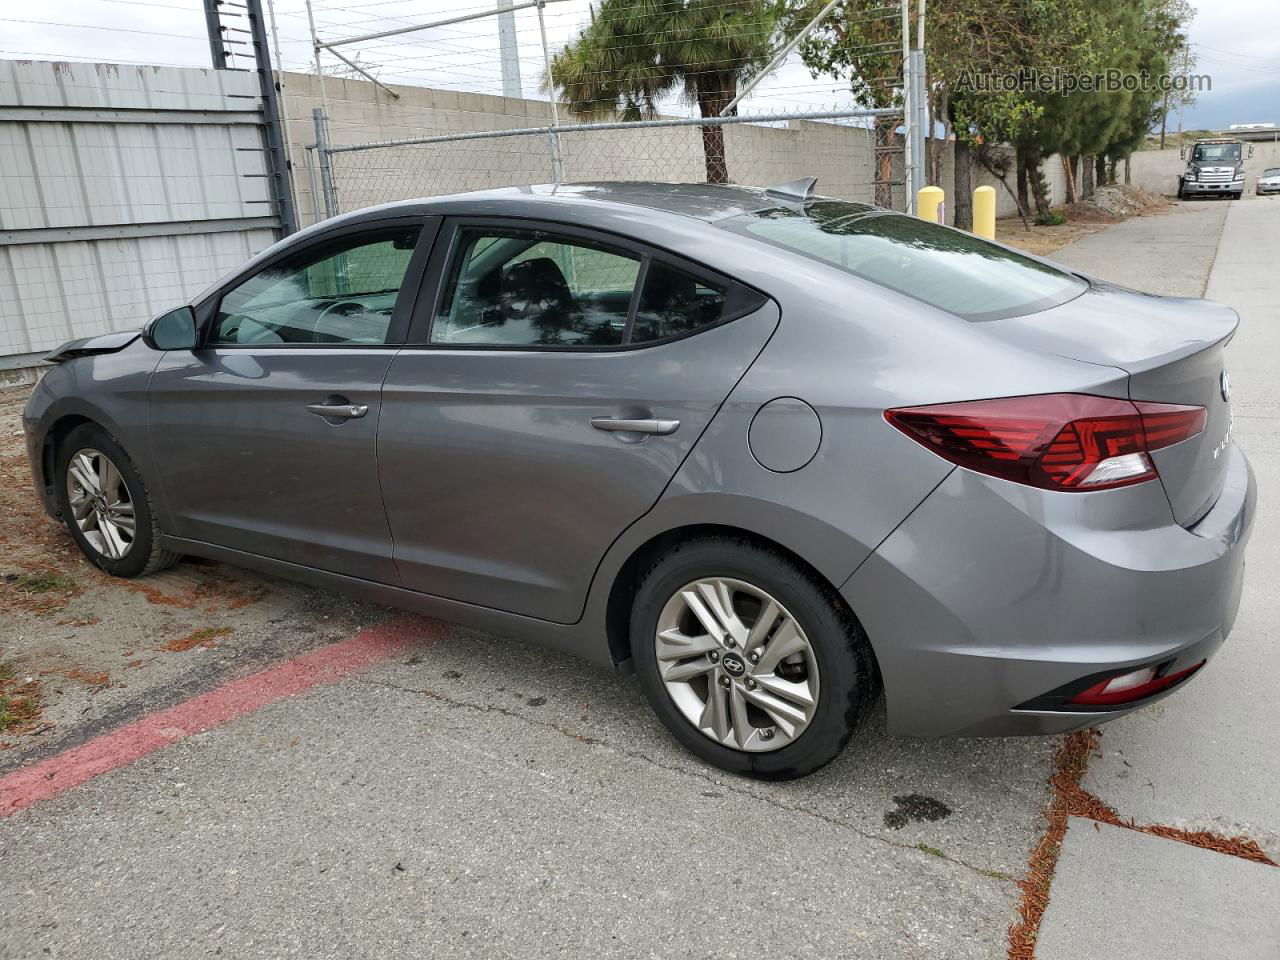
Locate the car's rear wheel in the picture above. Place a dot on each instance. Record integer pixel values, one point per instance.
(748, 661)
(105, 504)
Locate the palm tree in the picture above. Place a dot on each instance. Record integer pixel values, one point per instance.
(634, 52)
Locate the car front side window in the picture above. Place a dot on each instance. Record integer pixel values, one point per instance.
(340, 293)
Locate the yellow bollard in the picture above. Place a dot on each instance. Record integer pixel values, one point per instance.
(984, 212)
(931, 204)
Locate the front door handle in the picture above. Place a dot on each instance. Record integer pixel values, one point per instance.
(659, 428)
(338, 411)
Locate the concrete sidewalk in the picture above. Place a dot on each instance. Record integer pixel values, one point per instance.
(1206, 758)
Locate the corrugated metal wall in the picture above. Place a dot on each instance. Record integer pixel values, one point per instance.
(123, 190)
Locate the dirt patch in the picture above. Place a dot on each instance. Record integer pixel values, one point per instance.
(90, 678)
(197, 586)
(206, 637)
(1043, 241)
(1109, 205)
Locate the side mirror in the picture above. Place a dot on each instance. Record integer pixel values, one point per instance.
(175, 330)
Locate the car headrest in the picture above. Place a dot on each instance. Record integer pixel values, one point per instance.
(538, 281)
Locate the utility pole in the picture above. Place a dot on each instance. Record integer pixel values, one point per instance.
(1182, 101)
(509, 51)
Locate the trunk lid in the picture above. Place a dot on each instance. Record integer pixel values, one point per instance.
(1172, 349)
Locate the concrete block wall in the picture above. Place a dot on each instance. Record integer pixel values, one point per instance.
(841, 157)
(1158, 170)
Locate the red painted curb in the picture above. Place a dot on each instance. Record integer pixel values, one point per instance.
(136, 740)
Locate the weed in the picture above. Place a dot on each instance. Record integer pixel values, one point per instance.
(45, 581)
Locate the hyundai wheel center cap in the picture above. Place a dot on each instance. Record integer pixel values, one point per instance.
(733, 665)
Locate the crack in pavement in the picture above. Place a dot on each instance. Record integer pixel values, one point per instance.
(740, 790)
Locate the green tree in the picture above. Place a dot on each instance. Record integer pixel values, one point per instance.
(635, 52)
(965, 40)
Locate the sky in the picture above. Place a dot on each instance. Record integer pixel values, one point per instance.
(1236, 41)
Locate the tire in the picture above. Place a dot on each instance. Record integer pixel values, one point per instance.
(832, 657)
(122, 553)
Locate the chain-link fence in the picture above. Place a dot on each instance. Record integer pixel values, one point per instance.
(855, 154)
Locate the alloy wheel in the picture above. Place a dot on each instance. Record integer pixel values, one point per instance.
(100, 503)
(737, 664)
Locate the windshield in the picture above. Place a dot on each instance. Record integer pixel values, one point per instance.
(1216, 152)
(955, 271)
(1271, 172)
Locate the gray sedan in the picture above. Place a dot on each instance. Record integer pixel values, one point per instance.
(770, 451)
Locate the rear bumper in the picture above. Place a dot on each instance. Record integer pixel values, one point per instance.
(991, 595)
(1235, 186)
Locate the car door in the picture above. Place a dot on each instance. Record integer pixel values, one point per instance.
(551, 388)
(267, 433)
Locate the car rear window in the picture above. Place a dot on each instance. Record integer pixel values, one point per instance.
(950, 269)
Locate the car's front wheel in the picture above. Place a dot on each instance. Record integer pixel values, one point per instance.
(750, 663)
(106, 506)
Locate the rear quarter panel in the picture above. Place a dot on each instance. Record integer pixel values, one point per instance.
(852, 350)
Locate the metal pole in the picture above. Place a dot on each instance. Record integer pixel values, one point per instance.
(326, 171)
(509, 50)
(908, 164)
(922, 100)
(782, 55)
(315, 46)
(315, 185)
(277, 159)
(213, 24)
(617, 125)
(920, 109)
(553, 138)
(284, 105)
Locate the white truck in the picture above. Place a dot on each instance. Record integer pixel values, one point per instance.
(1216, 166)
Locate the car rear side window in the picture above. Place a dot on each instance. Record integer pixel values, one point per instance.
(674, 303)
(950, 269)
(341, 293)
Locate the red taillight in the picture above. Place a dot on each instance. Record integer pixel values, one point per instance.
(1057, 441)
(1129, 687)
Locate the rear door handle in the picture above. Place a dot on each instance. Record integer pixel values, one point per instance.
(660, 428)
(339, 411)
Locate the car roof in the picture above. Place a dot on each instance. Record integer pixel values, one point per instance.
(702, 201)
